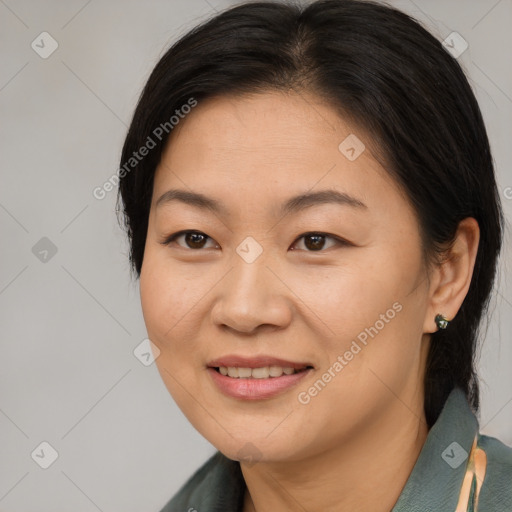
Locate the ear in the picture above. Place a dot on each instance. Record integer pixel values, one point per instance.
(450, 281)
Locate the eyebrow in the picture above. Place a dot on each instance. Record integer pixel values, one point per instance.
(292, 205)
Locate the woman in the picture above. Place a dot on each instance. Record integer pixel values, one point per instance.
(314, 218)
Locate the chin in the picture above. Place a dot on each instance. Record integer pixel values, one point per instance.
(251, 449)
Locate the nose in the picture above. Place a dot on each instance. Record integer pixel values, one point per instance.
(252, 297)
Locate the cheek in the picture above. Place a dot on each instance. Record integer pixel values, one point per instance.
(168, 288)
(167, 300)
(346, 299)
(168, 309)
(367, 311)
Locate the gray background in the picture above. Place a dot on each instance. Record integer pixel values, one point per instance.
(71, 321)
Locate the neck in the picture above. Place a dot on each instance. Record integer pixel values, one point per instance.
(368, 472)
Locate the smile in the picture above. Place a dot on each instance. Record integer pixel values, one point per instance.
(263, 372)
(256, 378)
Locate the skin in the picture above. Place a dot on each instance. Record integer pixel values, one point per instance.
(353, 446)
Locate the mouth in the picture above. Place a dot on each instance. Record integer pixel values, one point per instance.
(263, 372)
(257, 377)
(260, 367)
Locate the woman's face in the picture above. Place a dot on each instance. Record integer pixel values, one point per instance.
(305, 256)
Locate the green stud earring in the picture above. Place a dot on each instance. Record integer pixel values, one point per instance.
(441, 321)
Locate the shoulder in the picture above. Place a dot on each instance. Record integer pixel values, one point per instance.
(217, 485)
(497, 486)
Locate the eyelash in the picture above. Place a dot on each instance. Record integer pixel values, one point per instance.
(171, 238)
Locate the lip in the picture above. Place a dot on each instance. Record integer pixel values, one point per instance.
(255, 362)
(256, 389)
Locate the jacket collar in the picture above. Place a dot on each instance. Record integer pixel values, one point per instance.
(437, 476)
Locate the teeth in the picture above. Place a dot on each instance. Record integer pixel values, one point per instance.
(244, 373)
(232, 372)
(261, 373)
(276, 371)
(256, 373)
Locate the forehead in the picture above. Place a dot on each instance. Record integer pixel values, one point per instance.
(267, 123)
(266, 144)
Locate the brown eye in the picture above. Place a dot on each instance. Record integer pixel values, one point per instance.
(316, 242)
(191, 240)
(195, 240)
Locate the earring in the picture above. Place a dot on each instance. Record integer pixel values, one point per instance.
(441, 321)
